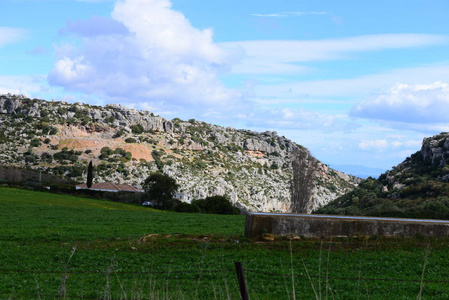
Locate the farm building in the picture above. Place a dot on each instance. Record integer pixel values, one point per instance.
(109, 187)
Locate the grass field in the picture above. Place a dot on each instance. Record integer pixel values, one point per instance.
(57, 246)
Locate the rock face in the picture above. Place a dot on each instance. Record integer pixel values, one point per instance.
(435, 150)
(254, 169)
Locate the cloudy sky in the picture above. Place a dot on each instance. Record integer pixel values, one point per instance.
(356, 82)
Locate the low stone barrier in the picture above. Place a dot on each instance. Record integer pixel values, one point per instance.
(341, 226)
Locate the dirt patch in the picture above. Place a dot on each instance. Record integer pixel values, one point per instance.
(80, 139)
(79, 144)
(256, 153)
(139, 151)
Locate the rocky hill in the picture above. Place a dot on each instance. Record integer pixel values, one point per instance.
(254, 169)
(418, 187)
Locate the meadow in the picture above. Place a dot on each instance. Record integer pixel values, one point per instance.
(57, 246)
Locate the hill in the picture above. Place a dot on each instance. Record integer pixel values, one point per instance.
(254, 169)
(418, 187)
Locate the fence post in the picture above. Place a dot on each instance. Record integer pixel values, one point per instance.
(242, 284)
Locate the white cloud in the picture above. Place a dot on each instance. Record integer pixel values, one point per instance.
(281, 52)
(418, 104)
(10, 35)
(356, 87)
(409, 146)
(23, 84)
(162, 58)
(4, 90)
(378, 145)
(402, 141)
(299, 119)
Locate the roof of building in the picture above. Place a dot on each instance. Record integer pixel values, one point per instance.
(109, 186)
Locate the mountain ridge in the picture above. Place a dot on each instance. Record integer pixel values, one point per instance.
(359, 170)
(252, 168)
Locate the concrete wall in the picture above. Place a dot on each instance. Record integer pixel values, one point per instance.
(336, 226)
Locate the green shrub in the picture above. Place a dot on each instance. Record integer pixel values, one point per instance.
(137, 129)
(66, 155)
(216, 205)
(35, 142)
(187, 208)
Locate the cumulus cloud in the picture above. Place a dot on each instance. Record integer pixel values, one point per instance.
(160, 57)
(417, 104)
(10, 35)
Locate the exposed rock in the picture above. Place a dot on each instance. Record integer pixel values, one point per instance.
(253, 169)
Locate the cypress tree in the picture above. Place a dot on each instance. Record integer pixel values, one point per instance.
(90, 175)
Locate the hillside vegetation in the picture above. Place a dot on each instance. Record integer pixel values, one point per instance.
(253, 169)
(416, 188)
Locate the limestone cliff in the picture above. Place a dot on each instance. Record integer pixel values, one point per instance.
(254, 169)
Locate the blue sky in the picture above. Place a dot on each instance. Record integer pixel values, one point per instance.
(356, 82)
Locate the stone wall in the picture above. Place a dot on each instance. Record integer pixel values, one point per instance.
(341, 226)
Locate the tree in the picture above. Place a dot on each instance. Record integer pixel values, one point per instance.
(160, 189)
(304, 166)
(90, 175)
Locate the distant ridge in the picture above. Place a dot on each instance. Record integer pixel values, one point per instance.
(359, 171)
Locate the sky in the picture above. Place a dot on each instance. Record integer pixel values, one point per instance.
(356, 82)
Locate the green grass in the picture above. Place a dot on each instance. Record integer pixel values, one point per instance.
(29, 216)
(39, 230)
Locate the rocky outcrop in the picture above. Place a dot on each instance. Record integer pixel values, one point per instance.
(431, 162)
(112, 114)
(10, 103)
(435, 150)
(416, 188)
(254, 169)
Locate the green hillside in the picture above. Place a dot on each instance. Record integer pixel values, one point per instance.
(416, 188)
